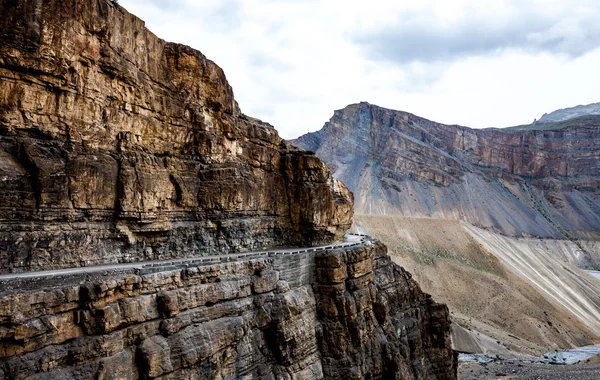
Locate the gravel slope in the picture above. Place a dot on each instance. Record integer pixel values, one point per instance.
(501, 310)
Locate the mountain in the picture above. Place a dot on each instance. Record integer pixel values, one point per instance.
(570, 113)
(519, 183)
(496, 223)
(149, 229)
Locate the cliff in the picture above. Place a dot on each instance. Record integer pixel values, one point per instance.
(345, 313)
(119, 148)
(116, 146)
(514, 284)
(542, 183)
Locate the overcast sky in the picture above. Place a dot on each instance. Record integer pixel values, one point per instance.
(470, 62)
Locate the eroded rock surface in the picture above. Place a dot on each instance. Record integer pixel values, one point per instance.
(361, 317)
(116, 146)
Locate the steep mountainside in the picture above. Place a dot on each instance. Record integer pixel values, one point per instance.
(361, 316)
(117, 146)
(520, 183)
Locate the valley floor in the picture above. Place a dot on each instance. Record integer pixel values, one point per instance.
(512, 370)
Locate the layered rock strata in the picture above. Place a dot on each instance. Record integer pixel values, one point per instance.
(346, 313)
(116, 146)
(519, 182)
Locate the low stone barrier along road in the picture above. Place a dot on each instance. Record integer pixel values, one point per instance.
(145, 267)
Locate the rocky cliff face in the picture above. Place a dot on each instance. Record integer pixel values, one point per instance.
(117, 146)
(355, 316)
(531, 182)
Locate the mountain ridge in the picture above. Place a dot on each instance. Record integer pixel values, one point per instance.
(564, 114)
(390, 158)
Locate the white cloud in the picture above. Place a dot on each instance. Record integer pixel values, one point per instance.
(468, 62)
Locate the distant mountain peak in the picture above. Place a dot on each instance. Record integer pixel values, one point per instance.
(570, 113)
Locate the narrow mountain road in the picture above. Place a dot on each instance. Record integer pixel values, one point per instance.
(144, 267)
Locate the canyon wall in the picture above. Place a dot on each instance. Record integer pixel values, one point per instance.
(356, 315)
(518, 182)
(116, 146)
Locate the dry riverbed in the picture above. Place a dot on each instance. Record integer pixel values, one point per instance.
(501, 369)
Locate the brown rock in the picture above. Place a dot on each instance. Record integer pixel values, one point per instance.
(359, 336)
(155, 357)
(332, 259)
(160, 325)
(331, 275)
(117, 146)
(265, 282)
(360, 269)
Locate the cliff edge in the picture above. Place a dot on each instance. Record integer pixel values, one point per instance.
(335, 313)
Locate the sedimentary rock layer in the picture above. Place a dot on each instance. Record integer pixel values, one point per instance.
(116, 146)
(519, 182)
(361, 317)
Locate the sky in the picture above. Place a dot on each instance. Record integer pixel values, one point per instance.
(494, 63)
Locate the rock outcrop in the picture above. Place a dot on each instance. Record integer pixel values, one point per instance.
(519, 182)
(350, 314)
(116, 146)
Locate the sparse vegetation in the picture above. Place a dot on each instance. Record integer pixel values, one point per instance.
(245, 117)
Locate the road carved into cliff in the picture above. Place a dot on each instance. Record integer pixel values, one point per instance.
(144, 267)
